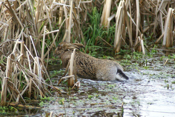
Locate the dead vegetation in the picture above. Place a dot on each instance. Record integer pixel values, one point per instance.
(141, 18)
(30, 29)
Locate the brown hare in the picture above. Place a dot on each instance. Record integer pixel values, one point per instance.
(88, 66)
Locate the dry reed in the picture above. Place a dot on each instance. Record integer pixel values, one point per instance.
(27, 26)
(145, 18)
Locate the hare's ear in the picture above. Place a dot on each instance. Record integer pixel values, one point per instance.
(63, 45)
(60, 46)
(78, 45)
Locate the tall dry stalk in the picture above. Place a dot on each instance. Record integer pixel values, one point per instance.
(5, 82)
(168, 31)
(61, 13)
(25, 70)
(137, 20)
(70, 22)
(71, 70)
(106, 13)
(32, 81)
(121, 20)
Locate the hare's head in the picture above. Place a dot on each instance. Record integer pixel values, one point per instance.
(66, 46)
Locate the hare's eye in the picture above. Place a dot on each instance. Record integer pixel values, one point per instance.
(59, 47)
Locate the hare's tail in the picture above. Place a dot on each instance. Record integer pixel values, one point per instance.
(121, 75)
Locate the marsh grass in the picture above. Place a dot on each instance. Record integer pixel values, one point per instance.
(30, 29)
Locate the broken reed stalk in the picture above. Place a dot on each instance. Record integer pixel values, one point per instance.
(32, 80)
(37, 12)
(33, 45)
(142, 44)
(53, 42)
(168, 31)
(22, 52)
(67, 23)
(72, 13)
(50, 24)
(120, 23)
(37, 71)
(72, 69)
(61, 13)
(109, 20)
(118, 26)
(24, 106)
(159, 38)
(156, 17)
(4, 82)
(70, 22)
(137, 20)
(67, 34)
(106, 13)
(43, 43)
(4, 91)
(129, 25)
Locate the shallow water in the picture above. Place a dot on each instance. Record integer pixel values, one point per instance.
(151, 98)
(148, 93)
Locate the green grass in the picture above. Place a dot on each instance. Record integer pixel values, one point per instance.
(94, 33)
(2, 61)
(61, 101)
(7, 109)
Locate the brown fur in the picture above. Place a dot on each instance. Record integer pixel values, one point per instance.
(86, 65)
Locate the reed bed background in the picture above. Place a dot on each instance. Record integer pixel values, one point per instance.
(31, 29)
